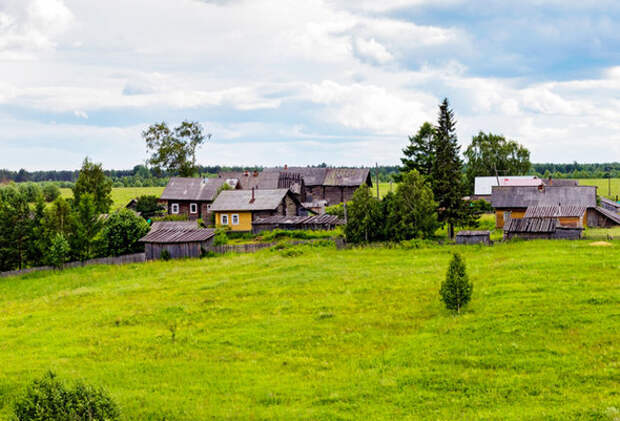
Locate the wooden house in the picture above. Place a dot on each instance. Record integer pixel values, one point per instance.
(512, 202)
(191, 197)
(237, 209)
(333, 185)
(178, 242)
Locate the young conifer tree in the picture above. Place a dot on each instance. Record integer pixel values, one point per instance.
(456, 289)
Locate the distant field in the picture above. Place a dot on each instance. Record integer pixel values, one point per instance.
(122, 195)
(603, 186)
(329, 335)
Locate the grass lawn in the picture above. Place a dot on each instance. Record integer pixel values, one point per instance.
(122, 195)
(329, 335)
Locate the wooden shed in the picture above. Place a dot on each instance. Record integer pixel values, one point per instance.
(536, 228)
(180, 243)
(314, 222)
(473, 237)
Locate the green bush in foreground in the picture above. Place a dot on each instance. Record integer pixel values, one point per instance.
(49, 399)
(456, 289)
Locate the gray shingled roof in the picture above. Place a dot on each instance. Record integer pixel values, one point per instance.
(350, 177)
(610, 203)
(524, 197)
(178, 236)
(268, 178)
(531, 225)
(324, 219)
(554, 211)
(240, 200)
(199, 189)
(174, 225)
(609, 214)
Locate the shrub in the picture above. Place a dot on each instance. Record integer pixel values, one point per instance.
(170, 218)
(59, 251)
(121, 232)
(456, 289)
(165, 255)
(148, 206)
(51, 192)
(220, 238)
(291, 252)
(51, 400)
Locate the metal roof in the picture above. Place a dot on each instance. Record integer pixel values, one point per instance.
(346, 177)
(554, 211)
(531, 225)
(241, 200)
(524, 197)
(324, 219)
(174, 225)
(178, 236)
(199, 189)
(483, 185)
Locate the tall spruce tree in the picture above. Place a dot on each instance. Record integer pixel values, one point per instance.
(447, 172)
(419, 154)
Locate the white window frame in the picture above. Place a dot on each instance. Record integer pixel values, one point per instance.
(224, 219)
(193, 208)
(174, 208)
(235, 218)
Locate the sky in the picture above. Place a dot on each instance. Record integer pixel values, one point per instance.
(278, 82)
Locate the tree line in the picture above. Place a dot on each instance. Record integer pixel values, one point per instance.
(35, 233)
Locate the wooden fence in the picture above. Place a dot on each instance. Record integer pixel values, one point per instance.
(119, 260)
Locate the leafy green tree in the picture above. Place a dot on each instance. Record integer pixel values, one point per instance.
(121, 232)
(92, 180)
(175, 150)
(59, 251)
(148, 206)
(51, 192)
(58, 218)
(30, 191)
(419, 154)
(364, 217)
(38, 244)
(447, 173)
(456, 290)
(411, 212)
(15, 230)
(489, 153)
(87, 224)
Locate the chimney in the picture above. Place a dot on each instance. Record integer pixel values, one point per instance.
(285, 167)
(253, 198)
(255, 173)
(550, 181)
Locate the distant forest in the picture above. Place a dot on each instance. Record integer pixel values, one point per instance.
(141, 176)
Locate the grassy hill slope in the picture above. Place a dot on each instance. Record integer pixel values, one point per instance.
(357, 334)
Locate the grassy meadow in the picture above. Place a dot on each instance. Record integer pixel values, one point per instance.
(329, 335)
(122, 195)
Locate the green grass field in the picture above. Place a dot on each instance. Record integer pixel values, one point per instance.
(122, 195)
(329, 335)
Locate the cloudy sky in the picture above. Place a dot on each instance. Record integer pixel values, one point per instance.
(304, 82)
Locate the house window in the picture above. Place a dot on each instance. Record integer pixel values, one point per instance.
(174, 208)
(224, 219)
(193, 208)
(235, 219)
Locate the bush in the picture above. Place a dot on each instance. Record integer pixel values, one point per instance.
(220, 238)
(170, 218)
(121, 232)
(456, 289)
(50, 400)
(51, 192)
(59, 251)
(165, 255)
(148, 206)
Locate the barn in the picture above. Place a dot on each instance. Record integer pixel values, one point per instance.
(191, 197)
(473, 237)
(179, 242)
